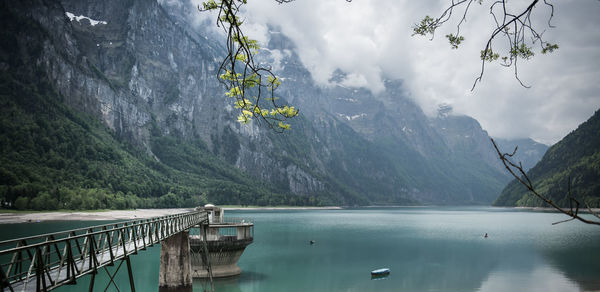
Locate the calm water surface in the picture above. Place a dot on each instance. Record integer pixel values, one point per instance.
(427, 249)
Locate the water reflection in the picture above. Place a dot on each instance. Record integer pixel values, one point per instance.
(540, 279)
(579, 264)
(379, 277)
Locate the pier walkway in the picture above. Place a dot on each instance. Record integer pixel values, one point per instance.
(45, 262)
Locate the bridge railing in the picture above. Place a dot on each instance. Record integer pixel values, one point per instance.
(225, 229)
(44, 262)
(231, 220)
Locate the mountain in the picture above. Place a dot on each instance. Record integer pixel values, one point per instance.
(434, 168)
(575, 157)
(68, 131)
(113, 104)
(529, 152)
(111, 83)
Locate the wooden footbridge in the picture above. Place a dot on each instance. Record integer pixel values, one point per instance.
(45, 262)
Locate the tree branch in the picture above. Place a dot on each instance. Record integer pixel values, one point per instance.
(245, 80)
(517, 171)
(520, 34)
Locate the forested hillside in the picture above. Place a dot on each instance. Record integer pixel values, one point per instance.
(575, 157)
(54, 158)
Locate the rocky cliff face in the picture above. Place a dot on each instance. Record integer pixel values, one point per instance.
(145, 71)
(139, 66)
(145, 74)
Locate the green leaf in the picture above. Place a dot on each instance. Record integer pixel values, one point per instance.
(426, 26)
(454, 40)
(549, 48)
(489, 55)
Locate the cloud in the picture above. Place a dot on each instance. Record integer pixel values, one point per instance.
(371, 40)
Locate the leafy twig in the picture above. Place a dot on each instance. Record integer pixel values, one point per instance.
(519, 33)
(247, 81)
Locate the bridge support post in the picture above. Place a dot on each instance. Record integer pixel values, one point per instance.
(175, 264)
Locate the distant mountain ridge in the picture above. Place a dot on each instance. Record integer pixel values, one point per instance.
(576, 156)
(142, 120)
(440, 157)
(529, 152)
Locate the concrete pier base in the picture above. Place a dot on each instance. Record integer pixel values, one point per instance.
(223, 264)
(223, 257)
(175, 264)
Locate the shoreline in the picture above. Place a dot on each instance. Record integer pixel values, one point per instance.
(106, 215)
(102, 215)
(281, 208)
(551, 209)
(36, 217)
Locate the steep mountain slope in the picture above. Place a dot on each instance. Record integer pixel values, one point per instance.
(576, 156)
(432, 166)
(53, 157)
(136, 80)
(150, 82)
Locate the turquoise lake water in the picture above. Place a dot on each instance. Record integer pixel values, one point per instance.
(427, 249)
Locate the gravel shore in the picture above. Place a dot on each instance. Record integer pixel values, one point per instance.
(7, 218)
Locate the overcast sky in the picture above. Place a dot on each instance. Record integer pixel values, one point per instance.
(371, 40)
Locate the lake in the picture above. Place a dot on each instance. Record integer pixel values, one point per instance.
(426, 248)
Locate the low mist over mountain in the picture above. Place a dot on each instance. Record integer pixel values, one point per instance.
(116, 104)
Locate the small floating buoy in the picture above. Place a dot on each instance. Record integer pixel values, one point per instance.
(485, 236)
(380, 273)
(312, 242)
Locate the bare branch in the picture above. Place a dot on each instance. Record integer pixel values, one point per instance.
(520, 175)
(591, 211)
(563, 221)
